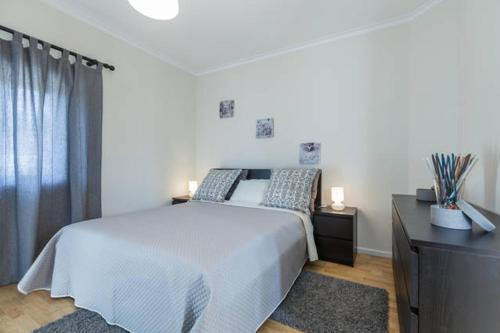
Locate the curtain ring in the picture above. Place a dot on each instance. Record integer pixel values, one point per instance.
(33, 43)
(78, 59)
(17, 37)
(65, 54)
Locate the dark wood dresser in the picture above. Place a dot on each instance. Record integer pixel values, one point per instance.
(446, 280)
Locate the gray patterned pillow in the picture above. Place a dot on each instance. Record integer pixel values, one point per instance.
(291, 189)
(216, 185)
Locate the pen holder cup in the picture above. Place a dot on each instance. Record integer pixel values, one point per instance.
(450, 218)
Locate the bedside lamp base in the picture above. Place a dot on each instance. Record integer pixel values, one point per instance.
(338, 206)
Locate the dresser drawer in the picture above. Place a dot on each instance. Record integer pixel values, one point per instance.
(336, 250)
(407, 263)
(338, 227)
(408, 319)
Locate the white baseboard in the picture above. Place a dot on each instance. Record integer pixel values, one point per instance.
(373, 252)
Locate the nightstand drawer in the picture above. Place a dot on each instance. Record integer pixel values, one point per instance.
(333, 226)
(333, 249)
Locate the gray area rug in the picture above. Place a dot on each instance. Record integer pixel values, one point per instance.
(80, 321)
(319, 303)
(316, 303)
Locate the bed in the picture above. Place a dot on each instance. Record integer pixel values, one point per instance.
(195, 267)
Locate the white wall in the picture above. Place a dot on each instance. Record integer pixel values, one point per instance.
(148, 129)
(455, 81)
(480, 97)
(433, 89)
(351, 96)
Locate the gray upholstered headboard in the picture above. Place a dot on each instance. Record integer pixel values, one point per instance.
(266, 174)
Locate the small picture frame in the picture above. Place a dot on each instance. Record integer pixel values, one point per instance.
(310, 153)
(265, 128)
(226, 109)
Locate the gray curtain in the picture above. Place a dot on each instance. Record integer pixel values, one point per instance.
(50, 149)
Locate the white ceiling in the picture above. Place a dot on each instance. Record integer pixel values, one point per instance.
(213, 34)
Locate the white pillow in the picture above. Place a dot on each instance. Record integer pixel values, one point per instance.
(251, 191)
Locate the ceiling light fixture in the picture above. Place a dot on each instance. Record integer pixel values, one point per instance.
(157, 9)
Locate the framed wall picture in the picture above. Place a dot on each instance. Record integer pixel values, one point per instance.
(265, 128)
(226, 109)
(310, 153)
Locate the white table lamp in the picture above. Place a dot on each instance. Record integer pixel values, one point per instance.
(193, 186)
(338, 198)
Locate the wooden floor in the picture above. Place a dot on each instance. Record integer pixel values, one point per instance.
(20, 314)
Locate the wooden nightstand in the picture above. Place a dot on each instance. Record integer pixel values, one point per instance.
(335, 234)
(180, 199)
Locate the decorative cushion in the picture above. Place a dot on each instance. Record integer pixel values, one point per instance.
(243, 175)
(251, 191)
(314, 191)
(216, 185)
(290, 189)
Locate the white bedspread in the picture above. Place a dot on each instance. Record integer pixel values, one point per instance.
(198, 267)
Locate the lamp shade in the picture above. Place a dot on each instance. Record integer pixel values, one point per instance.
(156, 9)
(338, 198)
(337, 194)
(193, 186)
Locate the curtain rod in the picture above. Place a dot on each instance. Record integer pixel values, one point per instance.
(90, 61)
